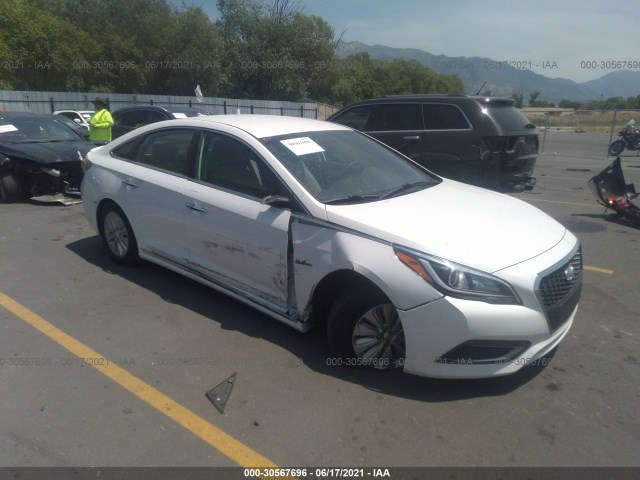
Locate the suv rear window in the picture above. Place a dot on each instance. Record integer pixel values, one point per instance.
(508, 118)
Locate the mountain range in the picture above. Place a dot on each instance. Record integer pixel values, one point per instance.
(504, 79)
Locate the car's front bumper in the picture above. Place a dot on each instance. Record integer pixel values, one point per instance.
(436, 329)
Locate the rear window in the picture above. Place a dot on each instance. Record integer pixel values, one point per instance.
(509, 118)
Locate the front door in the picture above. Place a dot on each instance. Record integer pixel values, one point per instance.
(234, 239)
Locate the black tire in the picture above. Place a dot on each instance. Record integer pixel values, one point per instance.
(10, 188)
(616, 148)
(363, 329)
(117, 235)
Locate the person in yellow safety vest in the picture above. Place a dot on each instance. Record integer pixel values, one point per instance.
(100, 123)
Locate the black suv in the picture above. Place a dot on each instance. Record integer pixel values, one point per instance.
(483, 141)
(127, 119)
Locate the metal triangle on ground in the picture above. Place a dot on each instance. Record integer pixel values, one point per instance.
(219, 395)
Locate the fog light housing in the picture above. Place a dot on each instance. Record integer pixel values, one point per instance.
(478, 352)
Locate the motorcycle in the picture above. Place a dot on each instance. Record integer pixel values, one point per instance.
(630, 139)
(611, 190)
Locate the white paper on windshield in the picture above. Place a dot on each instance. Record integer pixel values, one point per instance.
(7, 128)
(302, 146)
(179, 115)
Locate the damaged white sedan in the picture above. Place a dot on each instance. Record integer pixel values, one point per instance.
(314, 223)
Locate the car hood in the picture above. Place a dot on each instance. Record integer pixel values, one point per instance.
(464, 224)
(46, 153)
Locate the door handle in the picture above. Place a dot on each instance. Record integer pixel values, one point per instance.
(196, 207)
(130, 183)
(411, 137)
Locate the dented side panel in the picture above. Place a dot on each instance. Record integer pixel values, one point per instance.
(320, 248)
(238, 241)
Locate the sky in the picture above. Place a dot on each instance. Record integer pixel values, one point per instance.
(579, 40)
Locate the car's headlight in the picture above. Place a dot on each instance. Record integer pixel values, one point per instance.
(457, 280)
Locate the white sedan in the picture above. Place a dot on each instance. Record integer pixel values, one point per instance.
(314, 223)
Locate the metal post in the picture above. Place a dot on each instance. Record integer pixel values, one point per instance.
(613, 126)
(544, 137)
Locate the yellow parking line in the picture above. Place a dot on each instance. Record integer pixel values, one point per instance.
(597, 269)
(221, 441)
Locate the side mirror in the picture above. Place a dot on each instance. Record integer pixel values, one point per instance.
(278, 201)
(77, 120)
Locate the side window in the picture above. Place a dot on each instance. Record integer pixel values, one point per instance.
(355, 118)
(390, 117)
(157, 117)
(165, 149)
(127, 151)
(133, 118)
(227, 163)
(444, 117)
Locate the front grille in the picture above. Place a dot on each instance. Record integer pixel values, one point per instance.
(559, 291)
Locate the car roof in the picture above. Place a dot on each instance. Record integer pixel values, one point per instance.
(19, 114)
(261, 126)
(439, 98)
(157, 108)
(74, 111)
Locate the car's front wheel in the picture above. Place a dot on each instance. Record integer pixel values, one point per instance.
(117, 235)
(10, 188)
(364, 329)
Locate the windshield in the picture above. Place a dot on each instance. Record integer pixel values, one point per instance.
(34, 129)
(347, 167)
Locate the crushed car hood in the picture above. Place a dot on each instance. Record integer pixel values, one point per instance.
(464, 224)
(46, 153)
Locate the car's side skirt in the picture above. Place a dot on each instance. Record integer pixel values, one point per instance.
(290, 318)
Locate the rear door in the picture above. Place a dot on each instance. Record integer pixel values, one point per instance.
(152, 176)
(449, 146)
(398, 125)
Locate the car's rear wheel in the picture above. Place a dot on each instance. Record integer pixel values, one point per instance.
(616, 148)
(364, 329)
(118, 236)
(10, 188)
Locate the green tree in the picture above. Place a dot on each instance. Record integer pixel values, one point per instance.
(46, 46)
(519, 98)
(272, 52)
(533, 97)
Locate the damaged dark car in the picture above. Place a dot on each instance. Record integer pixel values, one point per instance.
(39, 155)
